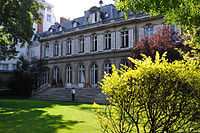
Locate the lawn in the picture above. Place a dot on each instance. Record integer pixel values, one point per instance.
(37, 116)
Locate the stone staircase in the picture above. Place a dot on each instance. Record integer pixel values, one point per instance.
(86, 95)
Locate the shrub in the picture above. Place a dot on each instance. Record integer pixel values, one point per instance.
(155, 96)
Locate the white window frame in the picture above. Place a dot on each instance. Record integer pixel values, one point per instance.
(48, 18)
(93, 74)
(56, 74)
(68, 47)
(107, 40)
(69, 75)
(81, 75)
(108, 68)
(81, 45)
(124, 38)
(56, 50)
(149, 31)
(94, 43)
(46, 51)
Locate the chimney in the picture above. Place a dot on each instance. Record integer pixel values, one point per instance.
(63, 19)
(101, 3)
(40, 26)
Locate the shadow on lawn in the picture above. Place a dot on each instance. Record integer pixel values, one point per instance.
(27, 117)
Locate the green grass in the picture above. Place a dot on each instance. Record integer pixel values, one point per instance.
(36, 116)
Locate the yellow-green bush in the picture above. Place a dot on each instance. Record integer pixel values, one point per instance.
(152, 97)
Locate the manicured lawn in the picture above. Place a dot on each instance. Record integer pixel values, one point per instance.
(36, 116)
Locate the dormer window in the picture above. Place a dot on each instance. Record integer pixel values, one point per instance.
(50, 30)
(106, 15)
(94, 17)
(60, 28)
(75, 24)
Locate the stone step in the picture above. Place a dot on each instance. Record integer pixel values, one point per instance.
(89, 95)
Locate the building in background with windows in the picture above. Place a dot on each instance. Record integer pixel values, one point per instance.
(48, 19)
(81, 51)
(28, 52)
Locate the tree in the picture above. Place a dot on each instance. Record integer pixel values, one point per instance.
(184, 13)
(155, 96)
(16, 24)
(165, 40)
(22, 82)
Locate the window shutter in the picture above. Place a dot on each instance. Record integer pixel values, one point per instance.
(118, 40)
(113, 40)
(43, 54)
(50, 50)
(130, 36)
(100, 42)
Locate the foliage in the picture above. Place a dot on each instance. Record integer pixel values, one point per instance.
(165, 40)
(35, 68)
(184, 13)
(155, 96)
(16, 24)
(22, 82)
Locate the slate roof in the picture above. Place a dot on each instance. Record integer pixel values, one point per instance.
(110, 9)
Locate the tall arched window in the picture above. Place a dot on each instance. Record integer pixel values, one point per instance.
(108, 68)
(69, 75)
(149, 31)
(81, 74)
(124, 64)
(93, 74)
(56, 74)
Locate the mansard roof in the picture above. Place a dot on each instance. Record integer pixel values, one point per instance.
(107, 13)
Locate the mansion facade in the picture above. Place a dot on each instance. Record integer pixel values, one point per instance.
(79, 52)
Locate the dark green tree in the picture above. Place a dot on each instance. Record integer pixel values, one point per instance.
(16, 24)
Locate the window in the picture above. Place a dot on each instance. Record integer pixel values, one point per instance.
(106, 15)
(125, 63)
(45, 75)
(69, 75)
(68, 47)
(14, 66)
(48, 18)
(149, 31)
(56, 49)
(108, 41)
(93, 74)
(49, 9)
(60, 28)
(50, 30)
(56, 74)
(81, 45)
(124, 38)
(5, 66)
(75, 24)
(81, 74)
(108, 68)
(32, 54)
(94, 17)
(46, 51)
(94, 43)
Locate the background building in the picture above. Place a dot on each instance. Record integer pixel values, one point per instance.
(48, 19)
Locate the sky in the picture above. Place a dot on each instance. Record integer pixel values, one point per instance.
(73, 8)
